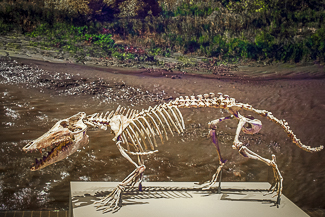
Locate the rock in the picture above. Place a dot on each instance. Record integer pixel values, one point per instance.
(168, 98)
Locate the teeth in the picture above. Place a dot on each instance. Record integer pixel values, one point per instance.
(56, 149)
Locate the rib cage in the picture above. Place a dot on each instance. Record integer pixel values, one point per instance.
(151, 125)
(145, 129)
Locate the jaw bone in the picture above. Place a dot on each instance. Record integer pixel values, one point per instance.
(62, 140)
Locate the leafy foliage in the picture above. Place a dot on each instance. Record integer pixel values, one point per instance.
(193, 10)
(226, 29)
(72, 38)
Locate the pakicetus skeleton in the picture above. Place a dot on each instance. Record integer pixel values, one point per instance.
(138, 133)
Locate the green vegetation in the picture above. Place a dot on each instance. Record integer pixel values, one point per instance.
(71, 38)
(229, 30)
(191, 9)
(84, 41)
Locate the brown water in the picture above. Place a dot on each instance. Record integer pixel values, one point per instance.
(28, 109)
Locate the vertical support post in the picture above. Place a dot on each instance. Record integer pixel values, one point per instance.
(120, 199)
(70, 203)
(219, 187)
(278, 200)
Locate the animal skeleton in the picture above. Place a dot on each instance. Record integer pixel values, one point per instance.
(135, 134)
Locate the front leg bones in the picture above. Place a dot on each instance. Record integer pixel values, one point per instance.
(213, 126)
(113, 201)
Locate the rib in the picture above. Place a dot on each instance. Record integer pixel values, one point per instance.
(157, 128)
(171, 120)
(162, 115)
(153, 112)
(144, 129)
(136, 137)
(153, 134)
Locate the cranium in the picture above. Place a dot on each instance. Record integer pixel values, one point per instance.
(62, 140)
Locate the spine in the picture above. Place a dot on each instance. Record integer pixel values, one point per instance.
(207, 100)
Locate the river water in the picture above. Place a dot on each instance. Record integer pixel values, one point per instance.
(34, 97)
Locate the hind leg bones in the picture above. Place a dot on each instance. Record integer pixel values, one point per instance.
(244, 151)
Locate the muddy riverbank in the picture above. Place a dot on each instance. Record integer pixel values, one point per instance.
(35, 94)
(16, 45)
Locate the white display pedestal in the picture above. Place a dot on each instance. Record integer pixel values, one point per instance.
(182, 199)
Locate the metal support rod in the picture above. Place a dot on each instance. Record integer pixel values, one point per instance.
(219, 187)
(120, 200)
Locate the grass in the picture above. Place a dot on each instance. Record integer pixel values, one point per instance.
(229, 30)
(82, 41)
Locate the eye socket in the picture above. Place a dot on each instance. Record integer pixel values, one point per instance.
(64, 124)
(77, 129)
